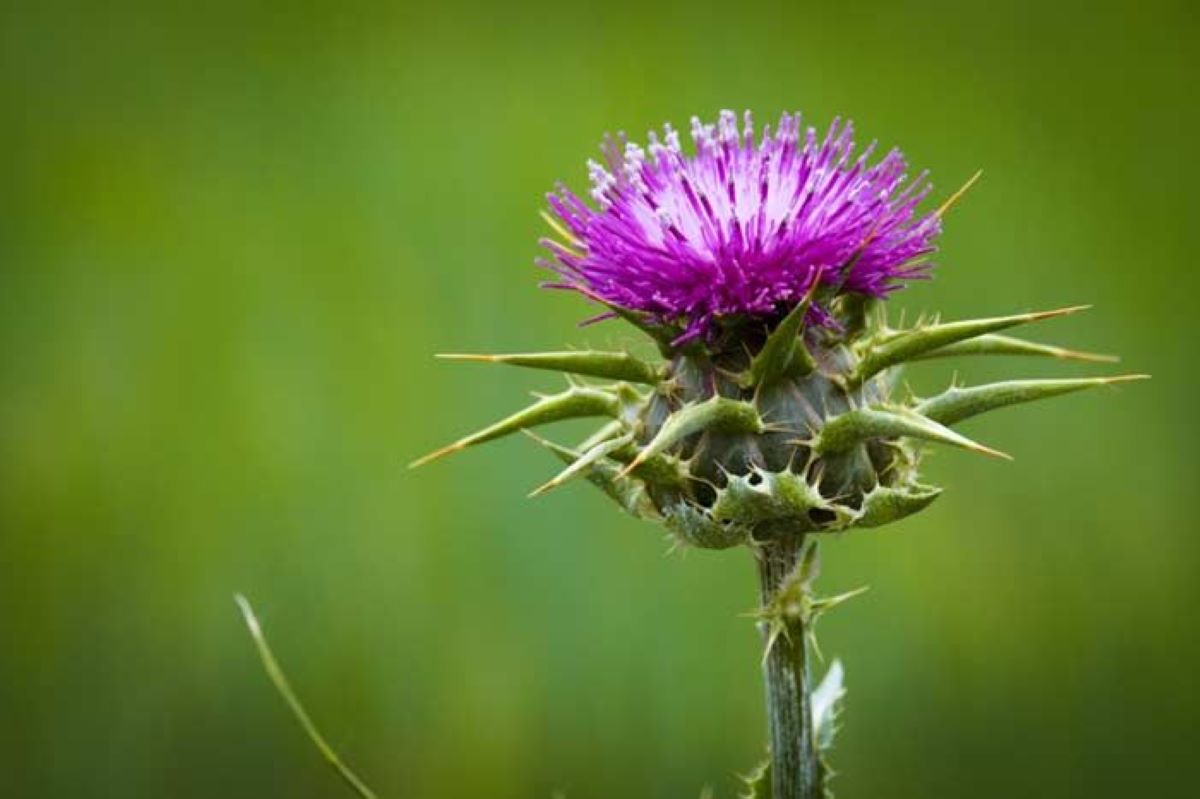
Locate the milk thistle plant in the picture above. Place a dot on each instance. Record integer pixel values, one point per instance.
(758, 266)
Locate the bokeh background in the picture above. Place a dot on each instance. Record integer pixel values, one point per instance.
(231, 237)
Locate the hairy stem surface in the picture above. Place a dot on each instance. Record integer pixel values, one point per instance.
(795, 769)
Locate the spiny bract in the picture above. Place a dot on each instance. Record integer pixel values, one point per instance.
(757, 270)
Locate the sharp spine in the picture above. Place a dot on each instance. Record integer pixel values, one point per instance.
(852, 428)
(585, 460)
(573, 403)
(717, 413)
(956, 404)
(997, 344)
(629, 494)
(784, 353)
(905, 345)
(589, 363)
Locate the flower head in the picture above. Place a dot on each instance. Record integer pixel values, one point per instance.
(772, 411)
(740, 227)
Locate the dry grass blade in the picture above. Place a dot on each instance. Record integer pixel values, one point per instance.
(280, 681)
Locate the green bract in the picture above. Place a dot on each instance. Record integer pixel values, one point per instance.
(774, 428)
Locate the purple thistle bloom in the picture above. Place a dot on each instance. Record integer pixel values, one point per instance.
(739, 228)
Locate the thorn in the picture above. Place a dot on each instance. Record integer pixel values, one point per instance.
(717, 413)
(571, 404)
(1087, 357)
(996, 344)
(852, 428)
(825, 604)
(975, 446)
(814, 645)
(1067, 311)
(466, 356)
(906, 345)
(449, 449)
(775, 629)
(619, 365)
(584, 461)
(959, 403)
(633, 464)
(539, 439)
(956, 196)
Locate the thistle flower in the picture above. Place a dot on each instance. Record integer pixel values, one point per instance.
(773, 417)
(740, 228)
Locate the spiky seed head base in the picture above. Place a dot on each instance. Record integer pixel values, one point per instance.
(774, 427)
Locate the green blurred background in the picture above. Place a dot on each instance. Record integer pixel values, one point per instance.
(232, 236)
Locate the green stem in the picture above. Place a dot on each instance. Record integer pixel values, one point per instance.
(795, 767)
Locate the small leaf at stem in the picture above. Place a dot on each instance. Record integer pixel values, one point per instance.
(827, 704)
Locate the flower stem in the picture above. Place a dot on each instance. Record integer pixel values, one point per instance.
(795, 767)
